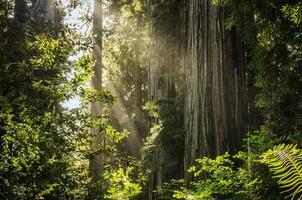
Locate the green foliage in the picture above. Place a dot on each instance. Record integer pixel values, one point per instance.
(293, 12)
(221, 2)
(39, 140)
(151, 144)
(120, 184)
(229, 177)
(153, 140)
(167, 190)
(278, 72)
(166, 130)
(271, 32)
(256, 143)
(152, 109)
(123, 178)
(260, 140)
(221, 180)
(285, 162)
(43, 145)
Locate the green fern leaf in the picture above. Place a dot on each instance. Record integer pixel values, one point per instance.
(285, 161)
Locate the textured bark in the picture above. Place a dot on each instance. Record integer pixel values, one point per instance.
(215, 106)
(164, 75)
(96, 163)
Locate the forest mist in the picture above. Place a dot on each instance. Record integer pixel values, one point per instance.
(150, 99)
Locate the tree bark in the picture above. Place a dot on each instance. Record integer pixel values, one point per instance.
(215, 106)
(164, 84)
(96, 163)
(139, 118)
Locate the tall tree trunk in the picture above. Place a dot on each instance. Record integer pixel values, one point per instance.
(20, 14)
(96, 163)
(139, 118)
(215, 106)
(164, 84)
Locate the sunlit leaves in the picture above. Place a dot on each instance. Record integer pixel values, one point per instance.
(218, 179)
(152, 109)
(92, 95)
(286, 163)
(43, 145)
(50, 53)
(121, 185)
(293, 12)
(221, 2)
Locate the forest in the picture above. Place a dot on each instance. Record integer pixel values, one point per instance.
(150, 99)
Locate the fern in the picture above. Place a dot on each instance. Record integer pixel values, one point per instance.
(285, 161)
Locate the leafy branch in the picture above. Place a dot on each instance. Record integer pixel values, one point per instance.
(285, 161)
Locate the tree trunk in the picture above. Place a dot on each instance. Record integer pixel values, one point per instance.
(215, 106)
(20, 13)
(139, 118)
(164, 84)
(96, 163)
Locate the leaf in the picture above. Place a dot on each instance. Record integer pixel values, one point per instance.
(285, 161)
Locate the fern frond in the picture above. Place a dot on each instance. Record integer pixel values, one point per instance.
(285, 161)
